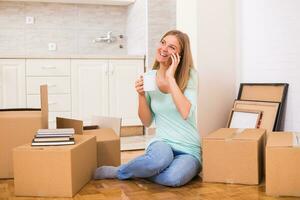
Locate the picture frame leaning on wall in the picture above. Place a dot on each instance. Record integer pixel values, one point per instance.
(269, 111)
(241, 118)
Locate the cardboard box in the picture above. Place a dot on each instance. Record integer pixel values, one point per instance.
(108, 142)
(283, 164)
(57, 171)
(233, 156)
(18, 127)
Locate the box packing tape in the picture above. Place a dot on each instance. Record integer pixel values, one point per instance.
(237, 132)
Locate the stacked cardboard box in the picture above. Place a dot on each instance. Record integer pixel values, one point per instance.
(18, 127)
(233, 156)
(283, 164)
(57, 171)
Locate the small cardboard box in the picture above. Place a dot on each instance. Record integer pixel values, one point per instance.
(56, 171)
(283, 164)
(18, 127)
(233, 156)
(108, 142)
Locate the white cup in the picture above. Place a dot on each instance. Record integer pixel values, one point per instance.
(150, 80)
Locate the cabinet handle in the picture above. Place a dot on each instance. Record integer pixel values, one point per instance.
(48, 67)
(106, 70)
(52, 103)
(52, 85)
(112, 70)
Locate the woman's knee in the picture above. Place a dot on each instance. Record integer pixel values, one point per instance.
(159, 156)
(180, 172)
(158, 165)
(175, 180)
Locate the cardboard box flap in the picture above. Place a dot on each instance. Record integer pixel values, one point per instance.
(222, 133)
(250, 134)
(44, 105)
(70, 123)
(19, 109)
(103, 134)
(108, 122)
(263, 91)
(15, 113)
(280, 139)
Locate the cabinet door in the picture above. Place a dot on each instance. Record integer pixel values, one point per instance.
(123, 97)
(89, 89)
(12, 83)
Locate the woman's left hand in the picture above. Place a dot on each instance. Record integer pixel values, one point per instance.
(172, 69)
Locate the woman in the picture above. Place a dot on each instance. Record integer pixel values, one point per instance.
(173, 157)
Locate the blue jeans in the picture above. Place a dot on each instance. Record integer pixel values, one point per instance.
(163, 165)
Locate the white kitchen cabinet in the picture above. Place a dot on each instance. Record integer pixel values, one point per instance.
(12, 83)
(89, 88)
(56, 74)
(78, 88)
(105, 87)
(123, 98)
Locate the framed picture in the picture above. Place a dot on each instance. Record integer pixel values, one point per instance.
(268, 92)
(269, 111)
(244, 119)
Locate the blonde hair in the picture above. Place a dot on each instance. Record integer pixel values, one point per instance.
(182, 73)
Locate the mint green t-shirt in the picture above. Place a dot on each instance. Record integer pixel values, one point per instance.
(180, 134)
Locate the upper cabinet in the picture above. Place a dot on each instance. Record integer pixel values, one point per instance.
(101, 2)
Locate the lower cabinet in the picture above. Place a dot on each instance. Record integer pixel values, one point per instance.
(78, 88)
(12, 83)
(89, 89)
(123, 98)
(105, 87)
(56, 73)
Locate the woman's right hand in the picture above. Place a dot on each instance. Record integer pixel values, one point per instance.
(139, 86)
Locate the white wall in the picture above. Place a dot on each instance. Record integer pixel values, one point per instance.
(186, 21)
(136, 29)
(269, 46)
(215, 57)
(161, 18)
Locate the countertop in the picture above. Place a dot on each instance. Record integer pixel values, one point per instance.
(72, 57)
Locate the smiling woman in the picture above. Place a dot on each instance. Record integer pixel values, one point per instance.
(173, 156)
(175, 43)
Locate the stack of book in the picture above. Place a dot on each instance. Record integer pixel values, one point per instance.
(54, 137)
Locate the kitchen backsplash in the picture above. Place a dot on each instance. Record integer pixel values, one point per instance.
(72, 27)
(137, 28)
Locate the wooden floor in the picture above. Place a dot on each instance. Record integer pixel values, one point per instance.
(145, 190)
